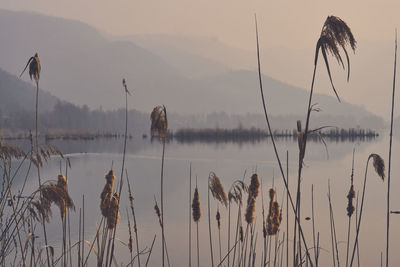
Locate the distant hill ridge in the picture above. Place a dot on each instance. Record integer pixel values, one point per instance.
(82, 66)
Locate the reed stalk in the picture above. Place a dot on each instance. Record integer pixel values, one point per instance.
(122, 172)
(287, 210)
(196, 207)
(350, 209)
(332, 217)
(209, 226)
(379, 166)
(390, 155)
(133, 215)
(313, 224)
(190, 219)
(358, 248)
(274, 145)
(151, 249)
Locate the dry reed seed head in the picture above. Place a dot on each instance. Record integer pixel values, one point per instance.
(274, 219)
(254, 186)
(350, 196)
(196, 208)
(43, 208)
(236, 192)
(217, 190)
(34, 68)
(105, 199)
(8, 152)
(113, 212)
(110, 177)
(335, 34)
(158, 212)
(272, 194)
(250, 209)
(57, 194)
(379, 165)
(62, 182)
(241, 234)
(159, 122)
(218, 218)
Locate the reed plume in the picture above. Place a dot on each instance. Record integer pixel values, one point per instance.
(159, 122)
(236, 192)
(253, 191)
(113, 212)
(335, 34)
(57, 194)
(217, 189)
(34, 67)
(196, 207)
(379, 165)
(350, 196)
(107, 193)
(158, 212)
(274, 217)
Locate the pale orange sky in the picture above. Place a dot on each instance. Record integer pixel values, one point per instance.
(288, 23)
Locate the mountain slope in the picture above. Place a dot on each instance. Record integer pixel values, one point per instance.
(82, 66)
(17, 95)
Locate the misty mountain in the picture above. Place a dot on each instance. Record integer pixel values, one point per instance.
(17, 95)
(195, 56)
(82, 66)
(370, 82)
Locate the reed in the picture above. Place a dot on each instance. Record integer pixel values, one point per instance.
(190, 220)
(131, 198)
(390, 155)
(159, 127)
(274, 145)
(196, 211)
(379, 166)
(350, 208)
(34, 71)
(217, 190)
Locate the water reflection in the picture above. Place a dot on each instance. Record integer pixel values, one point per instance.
(90, 160)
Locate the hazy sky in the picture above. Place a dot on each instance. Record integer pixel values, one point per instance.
(287, 23)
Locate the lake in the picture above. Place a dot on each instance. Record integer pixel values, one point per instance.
(91, 160)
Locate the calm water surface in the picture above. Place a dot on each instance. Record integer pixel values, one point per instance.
(91, 160)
